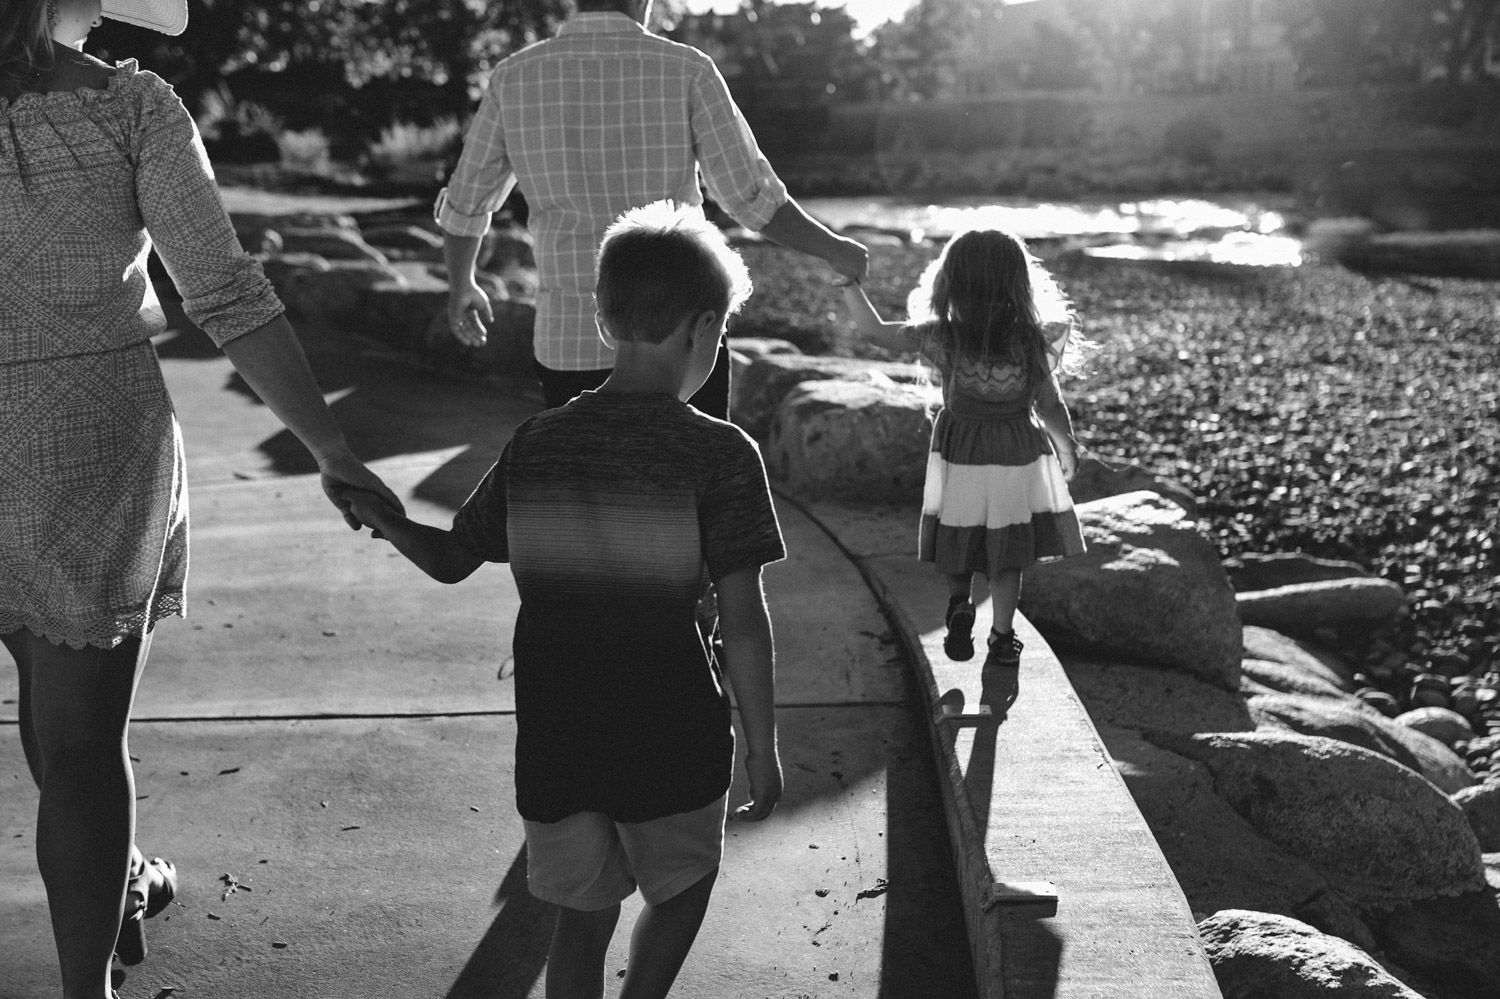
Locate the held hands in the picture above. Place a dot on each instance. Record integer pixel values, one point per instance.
(469, 313)
(765, 787)
(372, 510)
(851, 259)
(343, 475)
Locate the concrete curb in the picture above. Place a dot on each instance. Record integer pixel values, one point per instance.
(1034, 804)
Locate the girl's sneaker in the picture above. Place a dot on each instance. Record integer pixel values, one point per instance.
(958, 644)
(1005, 649)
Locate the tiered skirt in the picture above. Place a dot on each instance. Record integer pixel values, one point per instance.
(995, 498)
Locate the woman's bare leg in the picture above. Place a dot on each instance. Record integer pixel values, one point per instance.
(77, 703)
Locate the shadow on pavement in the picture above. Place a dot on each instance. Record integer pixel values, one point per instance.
(924, 947)
(510, 958)
(1033, 957)
(386, 408)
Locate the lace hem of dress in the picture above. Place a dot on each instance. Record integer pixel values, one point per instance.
(102, 636)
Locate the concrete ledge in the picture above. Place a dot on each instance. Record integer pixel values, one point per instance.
(1033, 800)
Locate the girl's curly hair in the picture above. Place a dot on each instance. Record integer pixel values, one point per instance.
(986, 298)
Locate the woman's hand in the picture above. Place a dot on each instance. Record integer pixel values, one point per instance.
(340, 470)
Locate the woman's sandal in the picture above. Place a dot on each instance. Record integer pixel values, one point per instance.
(150, 890)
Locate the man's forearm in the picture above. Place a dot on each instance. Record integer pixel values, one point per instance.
(796, 230)
(461, 253)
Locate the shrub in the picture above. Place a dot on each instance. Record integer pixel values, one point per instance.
(405, 142)
(306, 152)
(237, 131)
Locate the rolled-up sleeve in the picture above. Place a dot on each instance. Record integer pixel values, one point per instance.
(483, 178)
(737, 176)
(224, 290)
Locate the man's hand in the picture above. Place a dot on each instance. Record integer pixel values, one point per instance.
(765, 787)
(342, 471)
(850, 258)
(469, 312)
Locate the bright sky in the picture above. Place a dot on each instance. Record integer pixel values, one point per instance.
(867, 14)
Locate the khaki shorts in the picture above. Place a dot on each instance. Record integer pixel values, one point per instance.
(589, 862)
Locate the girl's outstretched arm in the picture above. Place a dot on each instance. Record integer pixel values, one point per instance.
(868, 321)
(1053, 413)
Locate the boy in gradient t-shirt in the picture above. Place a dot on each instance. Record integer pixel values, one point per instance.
(611, 510)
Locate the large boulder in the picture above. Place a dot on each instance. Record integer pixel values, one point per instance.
(1219, 859)
(1264, 676)
(339, 294)
(1129, 695)
(1257, 571)
(281, 268)
(1350, 720)
(400, 314)
(1443, 724)
(507, 349)
(1382, 835)
(1455, 941)
(1435, 761)
(768, 380)
(1263, 643)
(1149, 588)
(1302, 608)
(1481, 805)
(405, 242)
(852, 439)
(335, 244)
(1098, 479)
(1262, 955)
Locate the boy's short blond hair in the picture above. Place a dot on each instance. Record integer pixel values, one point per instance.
(661, 264)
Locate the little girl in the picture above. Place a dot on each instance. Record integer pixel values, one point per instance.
(996, 326)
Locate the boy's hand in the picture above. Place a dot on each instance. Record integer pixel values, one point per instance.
(343, 474)
(765, 788)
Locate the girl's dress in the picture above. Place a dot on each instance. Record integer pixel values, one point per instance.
(93, 502)
(995, 498)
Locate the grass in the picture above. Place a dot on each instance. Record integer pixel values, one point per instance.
(1310, 409)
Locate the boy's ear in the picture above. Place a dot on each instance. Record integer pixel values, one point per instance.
(705, 324)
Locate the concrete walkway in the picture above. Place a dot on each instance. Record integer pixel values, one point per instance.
(325, 750)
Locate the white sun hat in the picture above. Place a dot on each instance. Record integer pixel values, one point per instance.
(167, 16)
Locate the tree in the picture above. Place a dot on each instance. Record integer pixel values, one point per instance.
(785, 63)
(1344, 42)
(440, 48)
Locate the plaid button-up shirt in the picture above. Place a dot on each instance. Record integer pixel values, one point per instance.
(601, 118)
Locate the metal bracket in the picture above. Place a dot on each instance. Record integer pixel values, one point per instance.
(1022, 899)
(970, 715)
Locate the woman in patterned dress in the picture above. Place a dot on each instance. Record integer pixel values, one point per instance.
(97, 163)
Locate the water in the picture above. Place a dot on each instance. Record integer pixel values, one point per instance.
(1231, 231)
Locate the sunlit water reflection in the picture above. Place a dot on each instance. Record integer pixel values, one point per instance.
(1229, 231)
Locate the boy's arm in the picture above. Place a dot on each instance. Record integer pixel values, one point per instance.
(1053, 413)
(749, 664)
(868, 322)
(433, 550)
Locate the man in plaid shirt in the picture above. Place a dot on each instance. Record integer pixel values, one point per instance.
(602, 118)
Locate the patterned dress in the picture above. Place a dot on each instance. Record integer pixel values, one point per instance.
(995, 497)
(93, 502)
